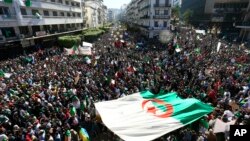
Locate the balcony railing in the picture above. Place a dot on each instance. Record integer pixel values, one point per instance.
(162, 5)
(159, 28)
(56, 17)
(57, 3)
(161, 17)
(145, 26)
(217, 19)
(144, 7)
(145, 17)
(7, 17)
(242, 24)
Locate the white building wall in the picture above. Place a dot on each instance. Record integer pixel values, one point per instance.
(95, 18)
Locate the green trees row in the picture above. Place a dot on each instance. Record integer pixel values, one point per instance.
(88, 35)
(177, 16)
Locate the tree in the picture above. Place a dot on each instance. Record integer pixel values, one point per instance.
(175, 14)
(69, 41)
(187, 16)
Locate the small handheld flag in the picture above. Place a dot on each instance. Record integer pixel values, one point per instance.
(83, 135)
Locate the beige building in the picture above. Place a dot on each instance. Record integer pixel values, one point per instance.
(152, 16)
(95, 13)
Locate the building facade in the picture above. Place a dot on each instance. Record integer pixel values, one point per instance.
(221, 15)
(244, 26)
(110, 15)
(152, 16)
(96, 12)
(22, 19)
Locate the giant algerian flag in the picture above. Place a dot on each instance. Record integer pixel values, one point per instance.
(145, 116)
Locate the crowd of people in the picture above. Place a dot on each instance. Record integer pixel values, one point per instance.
(48, 96)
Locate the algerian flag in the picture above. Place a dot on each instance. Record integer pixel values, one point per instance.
(177, 49)
(71, 51)
(67, 136)
(5, 75)
(72, 111)
(8, 1)
(145, 116)
(1, 73)
(197, 51)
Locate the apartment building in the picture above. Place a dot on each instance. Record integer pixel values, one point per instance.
(96, 12)
(219, 14)
(244, 25)
(28, 20)
(152, 16)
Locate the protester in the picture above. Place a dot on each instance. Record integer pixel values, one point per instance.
(50, 96)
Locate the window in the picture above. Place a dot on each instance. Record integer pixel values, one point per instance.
(72, 4)
(68, 25)
(77, 4)
(8, 32)
(46, 13)
(68, 14)
(24, 30)
(157, 12)
(34, 11)
(23, 11)
(61, 26)
(157, 2)
(166, 2)
(156, 24)
(35, 29)
(46, 28)
(54, 13)
(54, 28)
(4, 11)
(53, 0)
(165, 12)
(165, 24)
(62, 14)
(60, 1)
(73, 14)
(67, 2)
(78, 14)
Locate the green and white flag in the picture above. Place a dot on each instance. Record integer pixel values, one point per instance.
(145, 116)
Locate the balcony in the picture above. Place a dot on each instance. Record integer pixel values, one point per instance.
(243, 25)
(144, 7)
(44, 4)
(145, 17)
(145, 26)
(8, 20)
(217, 19)
(7, 17)
(49, 20)
(161, 17)
(159, 28)
(162, 5)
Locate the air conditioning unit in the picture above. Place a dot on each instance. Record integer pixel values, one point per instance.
(2, 39)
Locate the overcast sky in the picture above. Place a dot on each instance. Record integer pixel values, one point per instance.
(115, 3)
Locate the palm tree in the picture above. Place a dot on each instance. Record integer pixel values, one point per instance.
(187, 16)
(175, 14)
